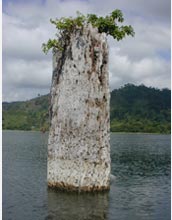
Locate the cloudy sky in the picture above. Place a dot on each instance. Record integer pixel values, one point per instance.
(144, 59)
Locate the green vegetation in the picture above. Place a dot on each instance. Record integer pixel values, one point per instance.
(133, 109)
(108, 25)
(140, 109)
(29, 115)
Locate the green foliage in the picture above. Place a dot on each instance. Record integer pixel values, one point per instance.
(29, 115)
(51, 44)
(108, 25)
(69, 24)
(140, 109)
(133, 109)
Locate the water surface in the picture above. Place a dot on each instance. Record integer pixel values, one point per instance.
(140, 190)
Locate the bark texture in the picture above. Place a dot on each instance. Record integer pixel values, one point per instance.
(78, 146)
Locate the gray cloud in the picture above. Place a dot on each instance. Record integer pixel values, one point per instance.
(24, 74)
(142, 59)
(151, 10)
(149, 71)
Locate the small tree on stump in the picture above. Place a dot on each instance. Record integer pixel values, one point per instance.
(108, 25)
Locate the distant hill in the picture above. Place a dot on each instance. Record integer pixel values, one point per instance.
(140, 109)
(133, 109)
(26, 115)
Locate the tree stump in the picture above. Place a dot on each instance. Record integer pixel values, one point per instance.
(79, 136)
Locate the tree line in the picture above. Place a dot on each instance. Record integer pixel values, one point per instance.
(132, 109)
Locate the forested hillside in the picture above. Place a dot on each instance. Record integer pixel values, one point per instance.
(133, 109)
(140, 109)
(28, 115)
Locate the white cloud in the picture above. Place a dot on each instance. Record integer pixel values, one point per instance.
(33, 74)
(19, 41)
(148, 40)
(142, 59)
(151, 71)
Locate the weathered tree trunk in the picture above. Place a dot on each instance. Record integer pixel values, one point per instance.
(78, 147)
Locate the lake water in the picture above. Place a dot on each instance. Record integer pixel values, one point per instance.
(140, 190)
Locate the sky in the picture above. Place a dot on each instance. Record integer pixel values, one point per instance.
(144, 59)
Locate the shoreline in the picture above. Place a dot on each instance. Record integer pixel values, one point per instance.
(114, 132)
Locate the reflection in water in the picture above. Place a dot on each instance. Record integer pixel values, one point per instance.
(67, 206)
(140, 189)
